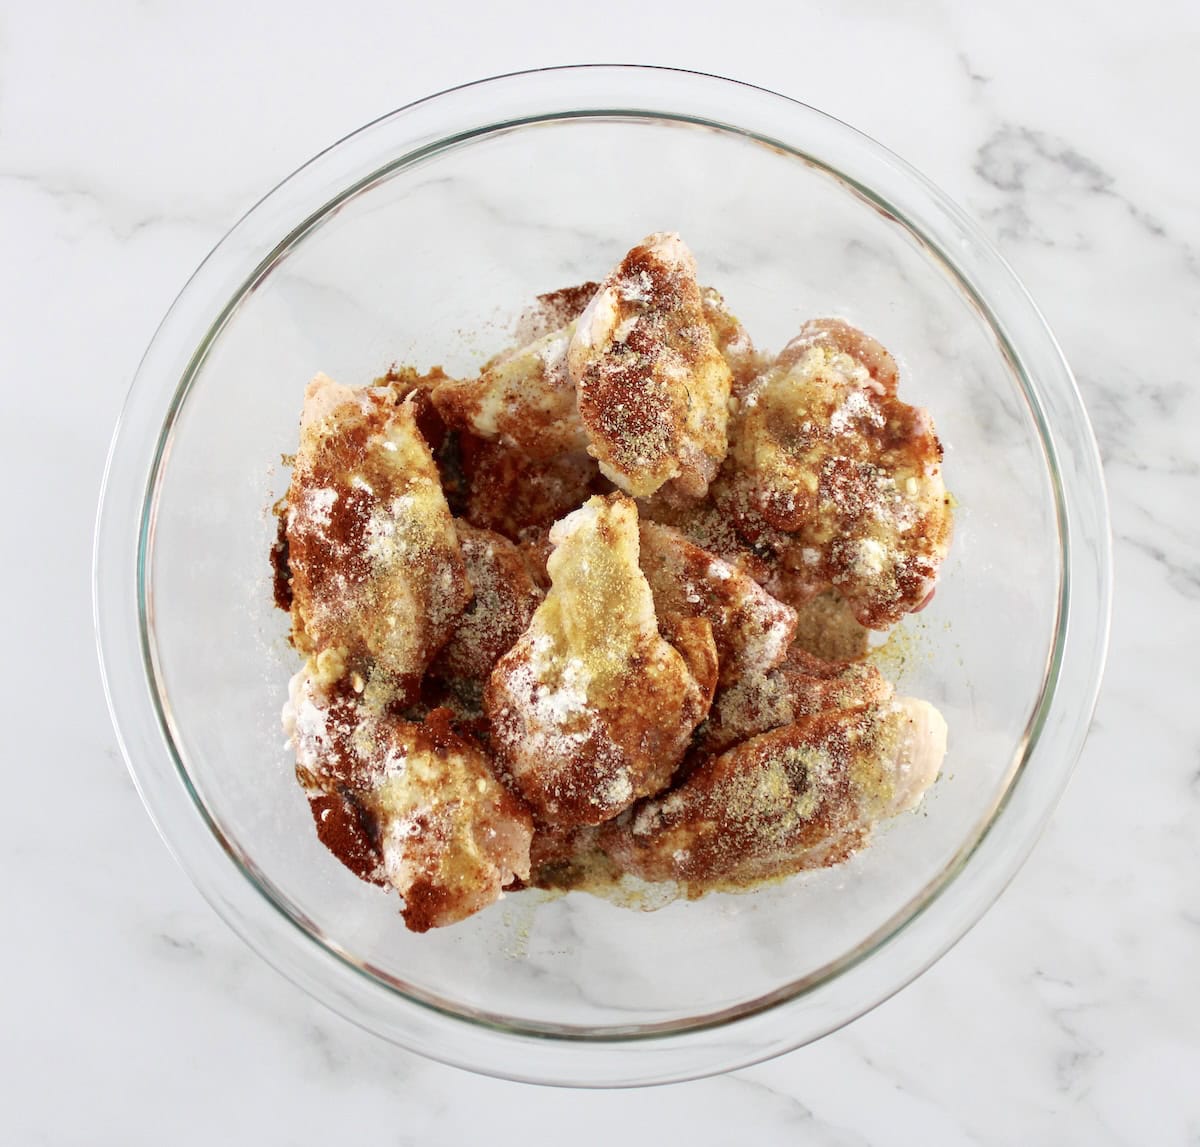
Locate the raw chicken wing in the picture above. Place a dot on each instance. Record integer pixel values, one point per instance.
(592, 708)
(376, 568)
(803, 686)
(803, 796)
(652, 384)
(413, 806)
(504, 602)
(751, 629)
(838, 477)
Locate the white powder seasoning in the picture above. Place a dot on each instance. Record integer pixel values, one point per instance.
(648, 818)
(857, 406)
(394, 763)
(305, 723)
(774, 642)
(557, 719)
(385, 541)
(618, 789)
(318, 504)
(553, 350)
(559, 703)
(870, 558)
(720, 570)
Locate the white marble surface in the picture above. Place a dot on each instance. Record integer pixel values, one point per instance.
(133, 134)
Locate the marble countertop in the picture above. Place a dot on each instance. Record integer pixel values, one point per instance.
(132, 135)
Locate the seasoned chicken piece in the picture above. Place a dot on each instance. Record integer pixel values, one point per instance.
(566, 858)
(592, 708)
(850, 351)
(803, 796)
(511, 493)
(827, 628)
(403, 380)
(523, 398)
(411, 806)
(504, 602)
(693, 640)
(710, 528)
(652, 385)
(376, 568)
(553, 311)
(733, 341)
(825, 625)
(751, 629)
(838, 477)
(803, 686)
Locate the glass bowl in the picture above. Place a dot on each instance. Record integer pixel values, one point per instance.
(414, 239)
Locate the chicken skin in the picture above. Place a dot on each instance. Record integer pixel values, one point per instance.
(733, 341)
(803, 686)
(522, 398)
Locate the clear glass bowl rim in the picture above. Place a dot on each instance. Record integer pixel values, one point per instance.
(897, 953)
